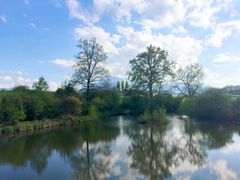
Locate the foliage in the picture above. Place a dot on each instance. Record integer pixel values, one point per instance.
(134, 102)
(71, 105)
(66, 89)
(150, 69)
(118, 86)
(40, 85)
(93, 114)
(11, 108)
(158, 115)
(213, 104)
(122, 86)
(126, 85)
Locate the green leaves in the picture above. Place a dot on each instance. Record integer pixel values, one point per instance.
(149, 69)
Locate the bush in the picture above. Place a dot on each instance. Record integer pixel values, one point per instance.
(213, 104)
(92, 112)
(158, 115)
(71, 105)
(11, 108)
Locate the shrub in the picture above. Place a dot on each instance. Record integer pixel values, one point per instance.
(71, 105)
(11, 108)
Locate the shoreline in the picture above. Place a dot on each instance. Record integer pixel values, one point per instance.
(38, 125)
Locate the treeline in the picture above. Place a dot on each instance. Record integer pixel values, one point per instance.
(24, 104)
(89, 93)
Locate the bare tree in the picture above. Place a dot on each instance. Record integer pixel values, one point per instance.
(189, 80)
(90, 68)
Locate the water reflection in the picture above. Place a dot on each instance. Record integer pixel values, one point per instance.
(121, 148)
(151, 153)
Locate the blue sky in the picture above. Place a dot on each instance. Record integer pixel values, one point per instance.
(40, 37)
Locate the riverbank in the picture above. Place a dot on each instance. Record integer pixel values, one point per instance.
(32, 126)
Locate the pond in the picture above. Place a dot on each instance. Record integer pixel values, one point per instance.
(119, 148)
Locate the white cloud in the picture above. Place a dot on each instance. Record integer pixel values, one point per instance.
(162, 13)
(221, 169)
(3, 19)
(216, 79)
(119, 9)
(64, 63)
(224, 31)
(179, 29)
(183, 50)
(203, 13)
(6, 78)
(152, 14)
(53, 86)
(77, 11)
(106, 39)
(226, 58)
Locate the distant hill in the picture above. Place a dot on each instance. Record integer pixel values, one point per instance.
(234, 90)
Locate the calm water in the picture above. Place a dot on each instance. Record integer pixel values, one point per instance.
(120, 149)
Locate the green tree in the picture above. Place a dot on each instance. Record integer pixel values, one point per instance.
(40, 85)
(11, 108)
(90, 68)
(118, 86)
(149, 69)
(66, 89)
(122, 85)
(126, 85)
(189, 80)
(71, 105)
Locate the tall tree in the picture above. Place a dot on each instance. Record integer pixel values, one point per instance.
(122, 85)
(40, 85)
(149, 69)
(118, 85)
(189, 80)
(90, 68)
(126, 85)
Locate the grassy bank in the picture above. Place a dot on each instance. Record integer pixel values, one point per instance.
(32, 126)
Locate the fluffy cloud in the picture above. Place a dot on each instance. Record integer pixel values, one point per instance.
(106, 39)
(77, 11)
(225, 58)
(53, 86)
(162, 13)
(224, 31)
(118, 8)
(152, 14)
(221, 169)
(64, 63)
(201, 13)
(182, 49)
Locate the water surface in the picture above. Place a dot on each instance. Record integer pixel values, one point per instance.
(121, 149)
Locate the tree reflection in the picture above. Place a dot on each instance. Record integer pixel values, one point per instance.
(155, 151)
(20, 151)
(92, 159)
(86, 147)
(151, 154)
(191, 145)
